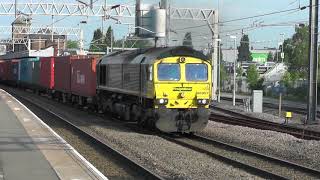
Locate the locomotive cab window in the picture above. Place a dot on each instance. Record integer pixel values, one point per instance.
(196, 72)
(168, 72)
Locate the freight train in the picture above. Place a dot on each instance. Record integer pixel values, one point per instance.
(165, 88)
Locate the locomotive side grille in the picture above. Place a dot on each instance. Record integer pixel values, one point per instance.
(115, 76)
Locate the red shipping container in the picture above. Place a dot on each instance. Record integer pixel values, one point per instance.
(83, 76)
(47, 72)
(62, 72)
(3, 70)
(14, 70)
(8, 65)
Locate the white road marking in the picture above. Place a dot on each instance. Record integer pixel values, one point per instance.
(9, 101)
(17, 109)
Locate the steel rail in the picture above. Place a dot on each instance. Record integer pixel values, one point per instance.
(235, 163)
(279, 161)
(248, 121)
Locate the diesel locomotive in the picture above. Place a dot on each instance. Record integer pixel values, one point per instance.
(166, 88)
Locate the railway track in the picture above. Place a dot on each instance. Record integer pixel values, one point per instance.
(192, 142)
(253, 162)
(298, 110)
(99, 142)
(248, 121)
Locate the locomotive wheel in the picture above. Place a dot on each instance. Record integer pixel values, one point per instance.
(127, 115)
(151, 123)
(143, 122)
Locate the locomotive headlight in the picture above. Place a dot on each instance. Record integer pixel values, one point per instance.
(203, 101)
(162, 101)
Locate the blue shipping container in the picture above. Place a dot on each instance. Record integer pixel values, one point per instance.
(26, 69)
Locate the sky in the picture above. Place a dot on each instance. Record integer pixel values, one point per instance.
(268, 36)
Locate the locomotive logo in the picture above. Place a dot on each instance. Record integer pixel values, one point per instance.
(182, 89)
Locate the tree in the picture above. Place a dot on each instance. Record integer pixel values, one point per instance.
(223, 74)
(296, 53)
(244, 49)
(239, 71)
(287, 80)
(254, 81)
(72, 44)
(270, 57)
(133, 44)
(187, 41)
(109, 37)
(97, 41)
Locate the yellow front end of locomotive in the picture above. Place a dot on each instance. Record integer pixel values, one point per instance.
(182, 83)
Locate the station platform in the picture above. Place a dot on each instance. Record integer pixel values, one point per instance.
(30, 150)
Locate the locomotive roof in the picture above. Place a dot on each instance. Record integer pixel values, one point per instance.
(150, 55)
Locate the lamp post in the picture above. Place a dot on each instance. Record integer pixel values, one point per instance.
(280, 93)
(81, 37)
(219, 70)
(282, 53)
(234, 70)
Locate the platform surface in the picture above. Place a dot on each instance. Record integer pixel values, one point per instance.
(29, 149)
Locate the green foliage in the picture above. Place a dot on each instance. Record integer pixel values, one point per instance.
(97, 41)
(100, 42)
(223, 74)
(270, 57)
(253, 78)
(72, 44)
(244, 49)
(109, 37)
(133, 44)
(296, 52)
(187, 41)
(287, 79)
(239, 71)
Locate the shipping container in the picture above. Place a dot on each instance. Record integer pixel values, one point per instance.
(83, 76)
(3, 70)
(8, 66)
(27, 66)
(25, 72)
(14, 71)
(62, 72)
(35, 73)
(47, 72)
